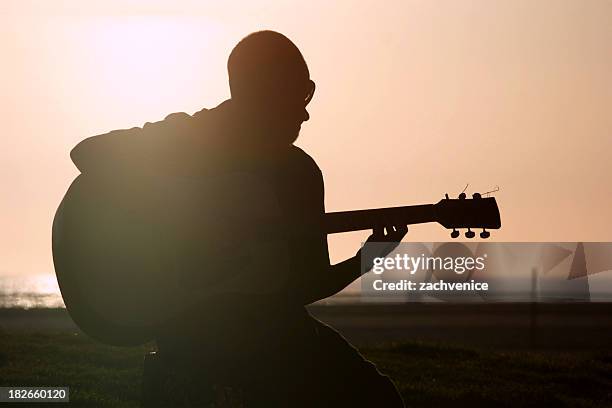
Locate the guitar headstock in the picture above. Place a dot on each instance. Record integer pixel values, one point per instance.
(463, 212)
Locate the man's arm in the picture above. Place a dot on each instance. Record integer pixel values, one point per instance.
(134, 149)
(319, 279)
(340, 275)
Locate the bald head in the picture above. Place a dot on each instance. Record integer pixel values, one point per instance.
(270, 84)
(266, 62)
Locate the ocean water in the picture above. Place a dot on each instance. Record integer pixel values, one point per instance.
(30, 291)
(42, 291)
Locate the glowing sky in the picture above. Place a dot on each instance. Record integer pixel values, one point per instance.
(414, 99)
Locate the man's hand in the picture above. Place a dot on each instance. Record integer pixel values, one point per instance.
(381, 243)
(378, 244)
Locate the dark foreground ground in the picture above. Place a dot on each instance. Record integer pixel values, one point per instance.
(438, 355)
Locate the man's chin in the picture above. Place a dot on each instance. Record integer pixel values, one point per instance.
(291, 134)
(285, 135)
(296, 133)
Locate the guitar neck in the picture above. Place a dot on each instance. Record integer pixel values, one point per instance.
(345, 221)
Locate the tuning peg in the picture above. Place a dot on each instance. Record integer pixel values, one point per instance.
(476, 195)
(485, 234)
(470, 234)
(455, 233)
(462, 196)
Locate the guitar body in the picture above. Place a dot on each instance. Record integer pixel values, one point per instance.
(132, 252)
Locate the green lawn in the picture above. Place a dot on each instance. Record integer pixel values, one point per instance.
(427, 374)
(433, 376)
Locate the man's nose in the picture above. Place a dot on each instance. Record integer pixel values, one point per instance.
(306, 115)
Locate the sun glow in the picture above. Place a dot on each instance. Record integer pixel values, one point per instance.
(151, 66)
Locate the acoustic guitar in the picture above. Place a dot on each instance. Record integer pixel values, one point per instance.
(123, 248)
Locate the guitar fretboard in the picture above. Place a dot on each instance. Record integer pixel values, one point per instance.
(345, 221)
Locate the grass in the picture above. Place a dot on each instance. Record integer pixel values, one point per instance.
(97, 375)
(436, 375)
(428, 375)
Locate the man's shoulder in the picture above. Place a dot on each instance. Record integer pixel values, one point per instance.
(304, 162)
(173, 121)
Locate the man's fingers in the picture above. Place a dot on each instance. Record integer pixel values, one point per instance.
(399, 232)
(389, 233)
(402, 229)
(390, 230)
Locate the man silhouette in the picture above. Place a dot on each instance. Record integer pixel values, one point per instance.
(266, 343)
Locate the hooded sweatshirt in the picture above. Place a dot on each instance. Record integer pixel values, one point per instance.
(181, 144)
(214, 141)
